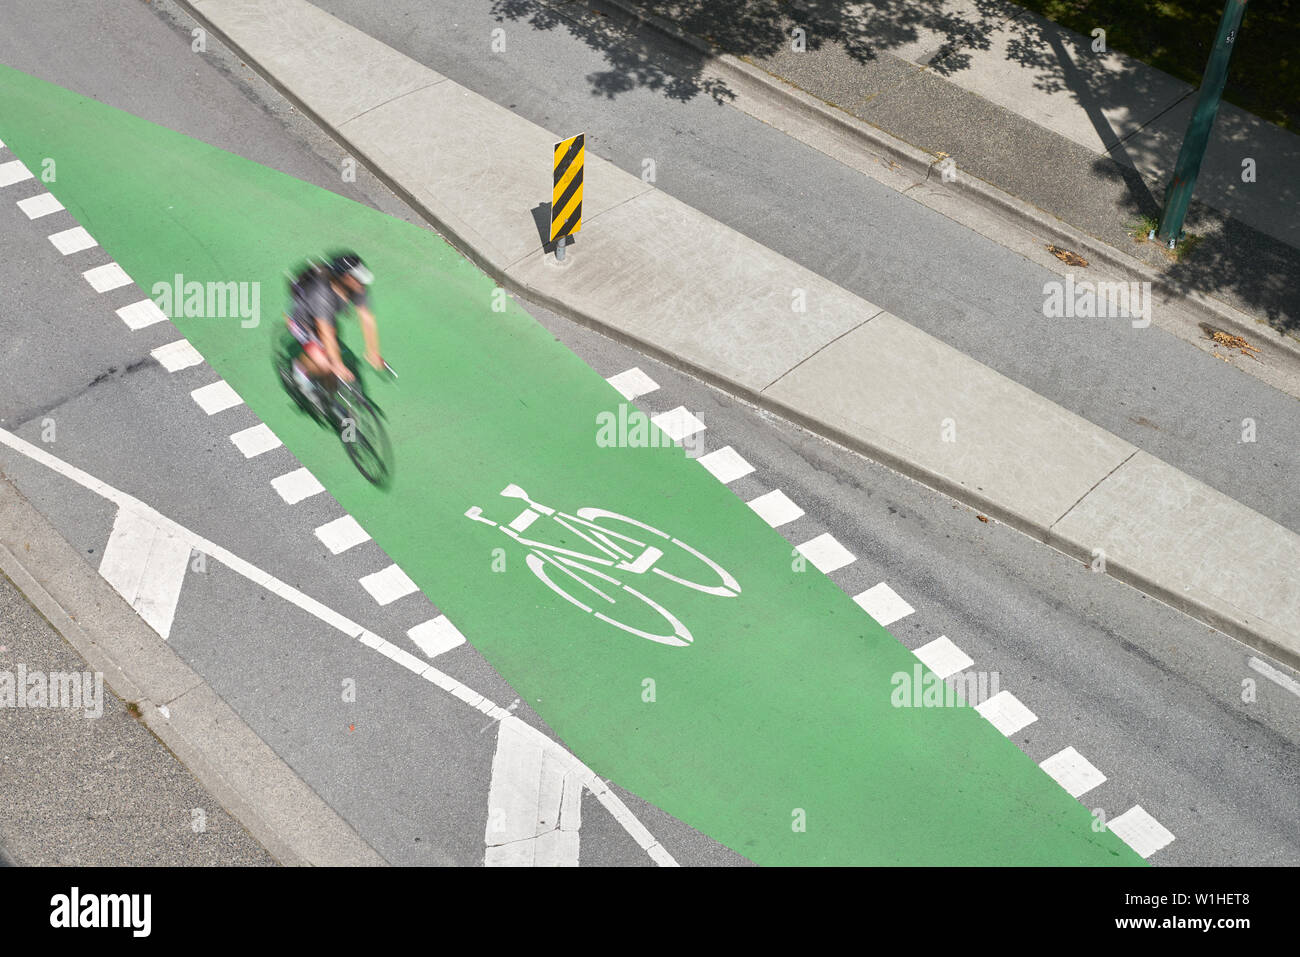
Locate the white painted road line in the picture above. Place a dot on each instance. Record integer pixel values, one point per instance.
(1072, 771)
(633, 383)
(388, 585)
(37, 206)
(529, 788)
(216, 397)
(106, 278)
(775, 508)
(826, 553)
(147, 567)
(141, 314)
(436, 636)
(1272, 674)
(72, 240)
(726, 464)
(620, 811)
(341, 534)
(297, 485)
(14, 172)
(255, 441)
(177, 355)
(678, 423)
(1006, 713)
(1140, 831)
(943, 657)
(883, 604)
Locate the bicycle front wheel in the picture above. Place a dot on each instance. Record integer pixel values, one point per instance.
(364, 437)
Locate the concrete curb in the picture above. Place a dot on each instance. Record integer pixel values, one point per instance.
(503, 274)
(224, 754)
(753, 80)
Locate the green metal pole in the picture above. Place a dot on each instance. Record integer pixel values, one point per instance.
(1179, 194)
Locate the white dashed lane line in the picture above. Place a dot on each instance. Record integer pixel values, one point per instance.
(1140, 831)
(436, 636)
(177, 355)
(72, 240)
(726, 465)
(40, 205)
(14, 172)
(140, 314)
(883, 604)
(1073, 772)
(943, 657)
(297, 485)
(256, 440)
(678, 423)
(341, 534)
(107, 277)
(633, 383)
(1006, 713)
(388, 585)
(776, 509)
(216, 397)
(826, 553)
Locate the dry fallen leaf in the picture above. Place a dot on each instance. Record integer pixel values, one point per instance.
(1067, 257)
(1227, 339)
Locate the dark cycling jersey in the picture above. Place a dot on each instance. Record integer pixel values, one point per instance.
(315, 300)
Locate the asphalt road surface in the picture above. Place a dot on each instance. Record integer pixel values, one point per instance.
(1149, 696)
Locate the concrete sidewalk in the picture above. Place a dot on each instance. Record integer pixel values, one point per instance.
(722, 307)
(1039, 127)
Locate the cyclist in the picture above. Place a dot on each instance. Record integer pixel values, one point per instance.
(320, 294)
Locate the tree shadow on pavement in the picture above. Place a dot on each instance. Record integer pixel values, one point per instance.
(878, 53)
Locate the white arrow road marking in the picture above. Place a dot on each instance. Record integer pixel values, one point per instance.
(533, 804)
(1282, 679)
(147, 567)
(446, 682)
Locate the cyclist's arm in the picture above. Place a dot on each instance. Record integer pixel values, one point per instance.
(330, 340)
(370, 329)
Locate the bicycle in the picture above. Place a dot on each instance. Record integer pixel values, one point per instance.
(622, 551)
(346, 409)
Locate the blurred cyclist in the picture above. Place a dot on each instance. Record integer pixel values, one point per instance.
(320, 294)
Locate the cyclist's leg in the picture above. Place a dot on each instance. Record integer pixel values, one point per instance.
(310, 364)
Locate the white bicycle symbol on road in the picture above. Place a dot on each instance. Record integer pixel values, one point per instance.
(626, 551)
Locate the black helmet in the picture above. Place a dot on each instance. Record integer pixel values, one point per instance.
(350, 264)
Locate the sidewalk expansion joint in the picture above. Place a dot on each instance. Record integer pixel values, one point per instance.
(1095, 485)
(820, 350)
(392, 99)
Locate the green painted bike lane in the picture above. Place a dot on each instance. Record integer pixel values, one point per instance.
(778, 712)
